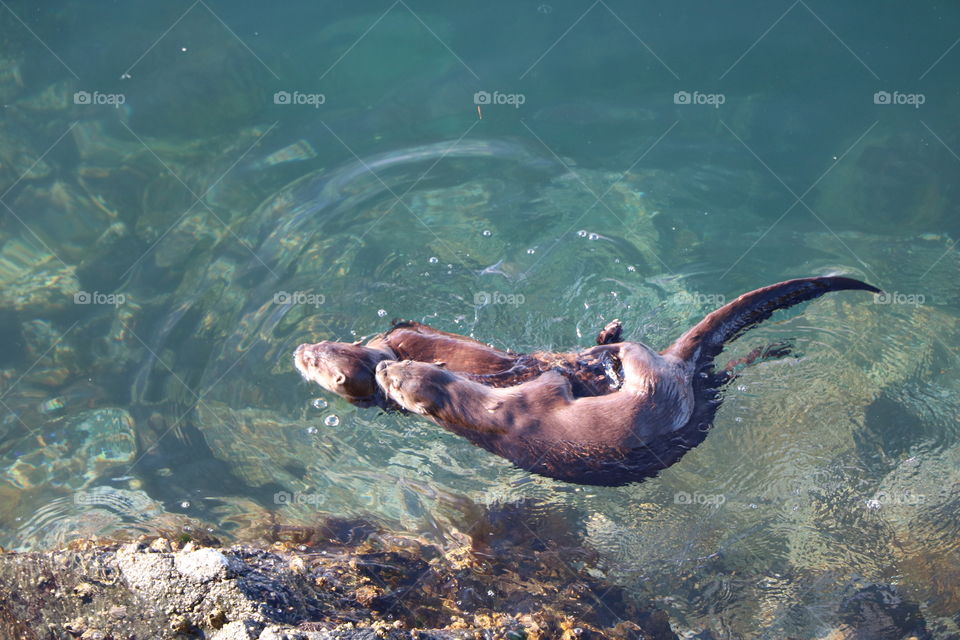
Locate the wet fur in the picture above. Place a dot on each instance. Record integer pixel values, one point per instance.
(546, 423)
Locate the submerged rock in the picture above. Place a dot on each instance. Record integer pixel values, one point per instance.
(78, 452)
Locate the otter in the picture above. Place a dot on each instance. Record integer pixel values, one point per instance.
(347, 369)
(648, 410)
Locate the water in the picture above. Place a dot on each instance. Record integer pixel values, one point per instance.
(191, 190)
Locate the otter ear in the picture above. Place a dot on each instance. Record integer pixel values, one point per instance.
(440, 363)
(340, 378)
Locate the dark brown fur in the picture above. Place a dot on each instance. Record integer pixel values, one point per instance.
(347, 369)
(550, 413)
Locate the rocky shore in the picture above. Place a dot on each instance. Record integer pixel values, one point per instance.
(340, 584)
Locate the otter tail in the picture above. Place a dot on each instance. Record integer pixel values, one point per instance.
(706, 339)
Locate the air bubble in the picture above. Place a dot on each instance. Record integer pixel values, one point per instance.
(318, 403)
(531, 251)
(185, 504)
(382, 313)
(593, 236)
(486, 233)
(433, 260)
(311, 431)
(331, 421)
(582, 233)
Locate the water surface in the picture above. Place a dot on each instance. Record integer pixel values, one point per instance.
(190, 190)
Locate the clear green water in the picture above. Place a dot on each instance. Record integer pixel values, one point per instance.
(162, 257)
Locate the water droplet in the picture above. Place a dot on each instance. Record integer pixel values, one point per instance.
(382, 313)
(490, 593)
(593, 236)
(486, 233)
(433, 260)
(319, 403)
(331, 421)
(631, 268)
(185, 504)
(312, 431)
(738, 419)
(582, 233)
(531, 251)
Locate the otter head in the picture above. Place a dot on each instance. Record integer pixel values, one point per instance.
(415, 386)
(343, 368)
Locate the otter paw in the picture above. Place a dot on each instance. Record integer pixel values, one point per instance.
(611, 333)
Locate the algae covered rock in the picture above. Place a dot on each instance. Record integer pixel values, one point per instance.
(377, 586)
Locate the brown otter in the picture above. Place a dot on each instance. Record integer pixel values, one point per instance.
(607, 415)
(662, 408)
(347, 369)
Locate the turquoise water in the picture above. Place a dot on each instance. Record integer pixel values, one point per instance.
(193, 189)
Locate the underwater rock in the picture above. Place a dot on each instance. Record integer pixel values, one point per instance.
(11, 80)
(33, 280)
(376, 587)
(892, 182)
(75, 451)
